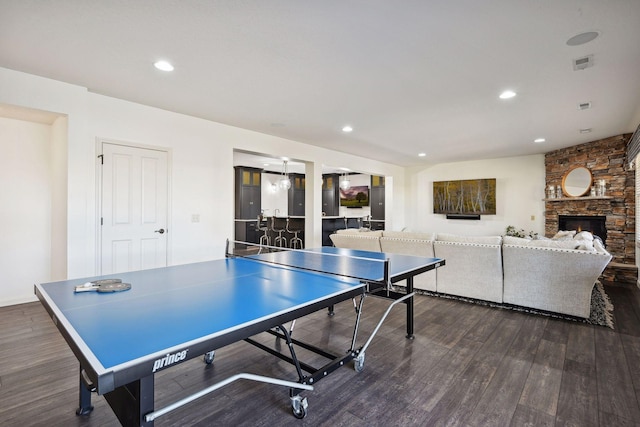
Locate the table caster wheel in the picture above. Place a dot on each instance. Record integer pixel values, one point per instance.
(299, 407)
(358, 363)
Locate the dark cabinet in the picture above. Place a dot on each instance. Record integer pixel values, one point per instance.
(330, 195)
(247, 231)
(377, 200)
(296, 195)
(248, 192)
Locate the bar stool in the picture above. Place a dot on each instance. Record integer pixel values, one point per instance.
(294, 226)
(279, 225)
(263, 225)
(366, 222)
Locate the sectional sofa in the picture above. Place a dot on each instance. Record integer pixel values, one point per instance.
(555, 275)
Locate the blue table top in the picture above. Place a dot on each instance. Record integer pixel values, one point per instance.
(170, 307)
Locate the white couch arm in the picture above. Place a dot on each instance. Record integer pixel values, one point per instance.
(552, 279)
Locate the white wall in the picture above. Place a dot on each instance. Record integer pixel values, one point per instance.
(25, 208)
(274, 200)
(201, 176)
(25, 90)
(59, 185)
(520, 183)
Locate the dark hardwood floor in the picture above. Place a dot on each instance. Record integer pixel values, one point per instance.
(469, 365)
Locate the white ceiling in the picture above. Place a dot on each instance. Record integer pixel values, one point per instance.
(412, 76)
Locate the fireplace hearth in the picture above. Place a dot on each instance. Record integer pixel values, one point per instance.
(595, 224)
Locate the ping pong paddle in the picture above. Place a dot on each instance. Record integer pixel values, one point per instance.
(104, 285)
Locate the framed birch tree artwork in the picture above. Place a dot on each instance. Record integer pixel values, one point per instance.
(465, 197)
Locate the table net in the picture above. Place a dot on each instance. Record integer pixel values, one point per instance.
(355, 267)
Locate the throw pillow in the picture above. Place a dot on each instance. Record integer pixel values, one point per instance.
(560, 244)
(583, 235)
(564, 235)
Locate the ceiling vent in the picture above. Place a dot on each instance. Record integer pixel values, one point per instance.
(582, 63)
(584, 106)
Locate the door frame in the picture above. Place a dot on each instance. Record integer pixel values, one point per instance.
(98, 170)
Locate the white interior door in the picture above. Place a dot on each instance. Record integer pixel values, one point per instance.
(134, 208)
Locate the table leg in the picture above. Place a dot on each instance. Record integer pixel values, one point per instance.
(85, 407)
(409, 303)
(133, 401)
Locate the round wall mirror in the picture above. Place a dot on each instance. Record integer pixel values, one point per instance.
(577, 182)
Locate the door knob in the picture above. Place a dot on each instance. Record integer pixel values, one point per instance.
(161, 231)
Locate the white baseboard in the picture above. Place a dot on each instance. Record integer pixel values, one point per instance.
(15, 301)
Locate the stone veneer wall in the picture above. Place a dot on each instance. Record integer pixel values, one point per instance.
(606, 159)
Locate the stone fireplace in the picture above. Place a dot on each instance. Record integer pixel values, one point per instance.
(606, 159)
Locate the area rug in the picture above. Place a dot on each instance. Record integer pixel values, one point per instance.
(601, 306)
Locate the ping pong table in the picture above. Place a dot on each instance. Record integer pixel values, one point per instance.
(174, 314)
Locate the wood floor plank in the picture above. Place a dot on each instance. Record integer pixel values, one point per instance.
(616, 394)
(578, 398)
(542, 387)
(625, 317)
(500, 399)
(525, 416)
(457, 404)
(631, 345)
(462, 396)
(525, 345)
(435, 382)
(581, 344)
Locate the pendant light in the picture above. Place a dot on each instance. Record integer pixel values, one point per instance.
(285, 182)
(345, 184)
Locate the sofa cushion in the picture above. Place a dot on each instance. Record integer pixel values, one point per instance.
(409, 235)
(415, 247)
(483, 240)
(518, 241)
(359, 241)
(360, 231)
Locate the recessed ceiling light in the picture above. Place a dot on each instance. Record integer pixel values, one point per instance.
(347, 129)
(507, 94)
(539, 140)
(163, 65)
(582, 38)
(422, 154)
